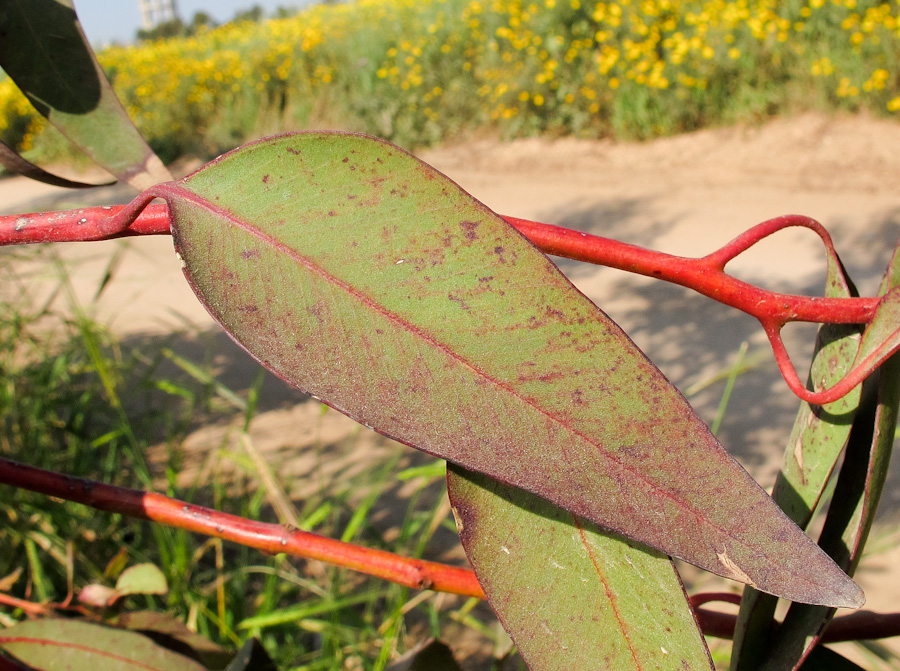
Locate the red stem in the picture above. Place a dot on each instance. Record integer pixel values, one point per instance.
(270, 538)
(706, 275)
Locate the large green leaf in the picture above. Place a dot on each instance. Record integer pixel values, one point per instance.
(72, 645)
(44, 50)
(571, 595)
(370, 280)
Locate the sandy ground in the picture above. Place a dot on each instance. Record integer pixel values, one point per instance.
(684, 195)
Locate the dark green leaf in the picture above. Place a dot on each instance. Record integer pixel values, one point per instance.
(570, 595)
(367, 278)
(859, 485)
(43, 49)
(815, 444)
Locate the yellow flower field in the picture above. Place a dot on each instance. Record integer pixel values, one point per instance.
(422, 71)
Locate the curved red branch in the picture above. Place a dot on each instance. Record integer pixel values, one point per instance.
(705, 275)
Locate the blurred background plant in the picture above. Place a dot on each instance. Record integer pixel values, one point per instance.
(421, 72)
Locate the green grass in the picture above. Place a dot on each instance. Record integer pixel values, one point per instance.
(75, 399)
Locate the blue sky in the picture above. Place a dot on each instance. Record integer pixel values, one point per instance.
(108, 20)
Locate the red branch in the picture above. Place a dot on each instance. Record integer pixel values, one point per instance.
(706, 274)
(270, 538)
(414, 573)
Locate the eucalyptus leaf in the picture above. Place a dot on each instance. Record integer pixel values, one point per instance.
(12, 161)
(571, 595)
(366, 278)
(859, 486)
(815, 444)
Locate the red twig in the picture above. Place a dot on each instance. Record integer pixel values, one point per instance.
(36, 609)
(270, 538)
(86, 224)
(706, 274)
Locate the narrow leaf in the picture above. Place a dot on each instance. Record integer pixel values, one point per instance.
(814, 446)
(365, 277)
(858, 489)
(570, 595)
(70, 645)
(44, 50)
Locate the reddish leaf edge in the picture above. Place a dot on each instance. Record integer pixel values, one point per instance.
(275, 538)
(705, 275)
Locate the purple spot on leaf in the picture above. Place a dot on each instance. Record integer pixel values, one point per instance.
(469, 227)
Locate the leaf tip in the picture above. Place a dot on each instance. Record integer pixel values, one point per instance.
(851, 595)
